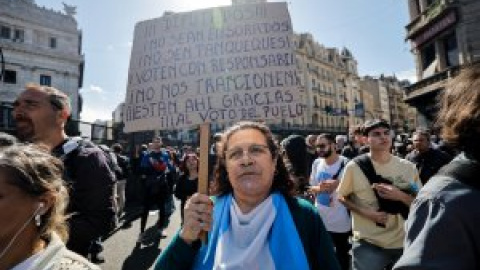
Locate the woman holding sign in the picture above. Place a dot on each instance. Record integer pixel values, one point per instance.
(254, 222)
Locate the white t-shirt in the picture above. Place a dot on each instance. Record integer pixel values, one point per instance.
(333, 213)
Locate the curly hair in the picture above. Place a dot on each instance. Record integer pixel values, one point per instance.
(34, 171)
(281, 179)
(459, 114)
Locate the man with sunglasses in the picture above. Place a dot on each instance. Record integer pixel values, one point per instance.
(378, 233)
(324, 179)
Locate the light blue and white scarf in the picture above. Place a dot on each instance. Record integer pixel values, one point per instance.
(284, 245)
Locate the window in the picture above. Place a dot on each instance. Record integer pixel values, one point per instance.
(46, 80)
(10, 76)
(451, 50)
(53, 43)
(428, 55)
(299, 62)
(19, 35)
(5, 32)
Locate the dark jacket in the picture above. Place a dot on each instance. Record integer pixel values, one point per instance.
(185, 187)
(428, 163)
(316, 241)
(442, 228)
(90, 182)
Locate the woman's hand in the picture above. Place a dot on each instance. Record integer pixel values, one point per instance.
(197, 217)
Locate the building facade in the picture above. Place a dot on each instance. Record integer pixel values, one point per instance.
(387, 96)
(40, 46)
(371, 88)
(333, 101)
(444, 35)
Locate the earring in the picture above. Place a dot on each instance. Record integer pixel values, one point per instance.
(38, 220)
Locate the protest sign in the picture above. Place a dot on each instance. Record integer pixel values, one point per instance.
(214, 65)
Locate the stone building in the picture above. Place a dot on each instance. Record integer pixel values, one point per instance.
(369, 103)
(388, 94)
(444, 35)
(331, 82)
(378, 106)
(42, 46)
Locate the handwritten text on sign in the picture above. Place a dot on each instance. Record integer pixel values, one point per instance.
(214, 65)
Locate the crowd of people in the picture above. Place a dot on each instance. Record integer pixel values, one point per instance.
(365, 200)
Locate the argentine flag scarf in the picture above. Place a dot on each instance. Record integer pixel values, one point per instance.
(284, 245)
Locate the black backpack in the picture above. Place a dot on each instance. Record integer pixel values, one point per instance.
(389, 206)
(124, 163)
(112, 161)
(70, 149)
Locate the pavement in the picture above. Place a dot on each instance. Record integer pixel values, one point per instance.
(121, 251)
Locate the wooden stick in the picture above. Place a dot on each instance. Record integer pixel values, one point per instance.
(203, 166)
(204, 151)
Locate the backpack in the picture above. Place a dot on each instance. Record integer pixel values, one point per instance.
(69, 153)
(124, 163)
(73, 146)
(390, 206)
(112, 161)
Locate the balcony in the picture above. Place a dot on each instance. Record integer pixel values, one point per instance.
(431, 83)
(433, 13)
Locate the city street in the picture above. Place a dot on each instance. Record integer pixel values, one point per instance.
(122, 252)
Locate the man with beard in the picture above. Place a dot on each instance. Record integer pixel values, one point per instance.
(324, 179)
(377, 232)
(40, 113)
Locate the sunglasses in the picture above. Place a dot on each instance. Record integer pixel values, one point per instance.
(321, 146)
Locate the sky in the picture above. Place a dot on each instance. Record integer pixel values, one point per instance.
(373, 32)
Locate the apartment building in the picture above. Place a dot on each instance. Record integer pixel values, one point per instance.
(387, 101)
(444, 35)
(330, 77)
(42, 46)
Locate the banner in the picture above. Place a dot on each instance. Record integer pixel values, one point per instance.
(215, 65)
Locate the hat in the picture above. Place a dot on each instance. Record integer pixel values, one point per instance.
(374, 123)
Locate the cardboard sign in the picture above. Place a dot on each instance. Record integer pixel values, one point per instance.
(215, 65)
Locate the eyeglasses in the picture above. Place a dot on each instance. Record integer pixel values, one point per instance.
(253, 151)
